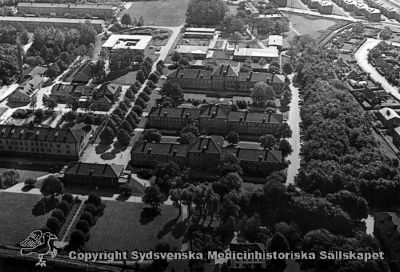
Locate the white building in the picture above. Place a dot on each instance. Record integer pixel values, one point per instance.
(139, 43)
(255, 54)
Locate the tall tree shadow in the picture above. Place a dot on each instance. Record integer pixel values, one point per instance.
(148, 214)
(168, 227)
(180, 229)
(44, 206)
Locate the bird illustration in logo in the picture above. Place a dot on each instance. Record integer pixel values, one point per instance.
(42, 244)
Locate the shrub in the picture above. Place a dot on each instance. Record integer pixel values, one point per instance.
(88, 217)
(30, 182)
(59, 214)
(145, 173)
(68, 197)
(94, 199)
(90, 207)
(77, 239)
(126, 190)
(64, 206)
(53, 224)
(138, 110)
(83, 226)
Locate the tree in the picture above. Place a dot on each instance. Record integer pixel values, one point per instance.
(53, 70)
(70, 116)
(127, 126)
(83, 226)
(232, 137)
(236, 25)
(77, 239)
(173, 92)
(284, 131)
(262, 62)
(151, 135)
(39, 113)
(190, 129)
(176, 56)
(107, 135)
(241, 104)
(355, 206)
(186, 138)
(126, 19)
(230, 182)
(286, 98)
(53, 224)
(152, 196)
(140, 22)
(267, 141)
(51, 186)
(287, 68)
(285, 147)
(261, 93)
(123, 137)
(138, 110)
(229, 164)
(140, 76)
(206, 12)
(88, 119)
(140, 102)
(153, 77)
(236, 37)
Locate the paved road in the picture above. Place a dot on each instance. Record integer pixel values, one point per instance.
(326, 16)
(294, 123)
(362, 60)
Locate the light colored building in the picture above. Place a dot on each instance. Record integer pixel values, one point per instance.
(197, 52)
(325, 7)
(255, 54)
(275, 40)
(199, 33)
(373, 14)
(389, 117)
(138, 43)
(31, 23)
(26, 90)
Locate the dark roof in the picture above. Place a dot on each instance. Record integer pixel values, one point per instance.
(253, 155)
(83, 91)
(94, 169)
(256, 117)
(84, 74)
(190, 73)
(214, 111)
(161, 149)
(207, 144)
(174, 112)
(62, 89)
(225, 70)
(111, 88)
(38, 70)
(40, 134)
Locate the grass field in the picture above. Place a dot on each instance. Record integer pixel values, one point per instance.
(160, 13)
(124, 227)
(16, 217)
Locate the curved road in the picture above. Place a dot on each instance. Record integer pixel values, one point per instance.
(362, 60)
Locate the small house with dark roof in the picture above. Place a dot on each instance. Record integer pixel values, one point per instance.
(41, 142)
(109, 90)
(94, 174)
(171, 118)
(247, 264)
(389, 117)
(84, 74)
(214, 119)
(254, 123)
(150, 154)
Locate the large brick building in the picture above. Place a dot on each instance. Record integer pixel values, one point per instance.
(205, 153)
(171, 118)
(224, 77)
(62, 9)
(42, 142)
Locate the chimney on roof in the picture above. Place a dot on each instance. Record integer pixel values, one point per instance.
(241, 119)
(175, 152)
(213, 114)
(204, 148)
(12, 131)
(260, 158)
(149, 150)
(165, 114)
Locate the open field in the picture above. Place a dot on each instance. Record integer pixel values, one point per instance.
(309, 25)
(16, 217)
(161, 12)
(127, 226)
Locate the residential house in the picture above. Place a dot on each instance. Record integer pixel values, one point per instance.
(205, 152)
(171, 118)
(93, 174)
(214, 119)
(26, 90)
(37, 70)
(42, 142)
(84, 74)
(60, 92)
(150, 154)
(389, 117)
(110, 91)
(396, 137)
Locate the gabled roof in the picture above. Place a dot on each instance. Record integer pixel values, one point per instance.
(226, 70)
(214, 111)
(62, 89)
(84, 74)
(207, 144)
(254, 155)
(256, 117)
(110, 88)
(40, 134)
(388, 113)
(95, 170)
(174, 112)
(38, 70)
(30, 85)
(280, 79)
(172, 149)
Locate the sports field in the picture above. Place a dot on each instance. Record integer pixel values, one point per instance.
(160, 12)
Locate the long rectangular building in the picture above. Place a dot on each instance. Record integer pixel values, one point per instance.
(62, 9)
(41, 141)
(31, 23)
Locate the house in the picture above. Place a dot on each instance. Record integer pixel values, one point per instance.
(171, 118)
(205, 152)
(150, 154)
(255, 54)
(387, 230)
(93, 174)
(60, 92)
(135, 43)
(248, 263)
(254, 124)
(37, 70)
(214, 119)
(84, 74)
(26, 90)
(275, 40)
(195, 51)
(388, 117)
(41, 141)
(109, 90)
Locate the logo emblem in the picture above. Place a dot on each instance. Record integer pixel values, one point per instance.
(41, 244)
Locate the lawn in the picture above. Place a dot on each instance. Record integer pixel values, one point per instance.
(160, 13)
(16, 217)
(125, 226)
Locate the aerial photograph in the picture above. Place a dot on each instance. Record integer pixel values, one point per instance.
(200, 135)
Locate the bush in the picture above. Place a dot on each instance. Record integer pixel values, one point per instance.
(145, 173)
(88, 217)
(68, 197)
(53, 224)
(90, 207)
(138, 110)
(64, 206)
(59, 214)
(77, 239)
(94, 199)
(30, 182)
(144, 96)
(83, 226)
